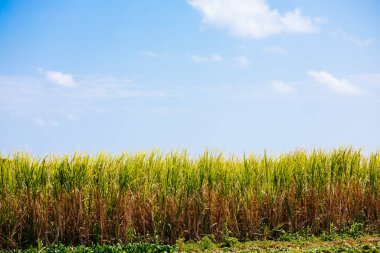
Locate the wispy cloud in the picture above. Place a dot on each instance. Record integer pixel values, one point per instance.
(252, 18)
(204, 59)
(45, 122)
(58, 78)
(338, 85)
(242, 61)
(151, 54)
(282, 87)
(226, 91)
(27, 96)
(361, 43)
(276, 50)
(71, 116)
(110, 87)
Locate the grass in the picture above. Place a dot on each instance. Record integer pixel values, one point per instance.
(310, 244)
(161, 197)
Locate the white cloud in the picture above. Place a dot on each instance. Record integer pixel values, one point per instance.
(71, 117)
(242, 61)
(59, 78)
(281, 87)
(361, 43)
(337, 85)
(28, 96)
(204, 59)
(150, 54)
(45, 122)
(252, 18)
(94, 87)
(276, 50)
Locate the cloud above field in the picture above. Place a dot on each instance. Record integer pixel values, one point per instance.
(338, 85)
(282, 87)
(58, 78)
(242, 61)
(276, 50)
(205, 59)
(45, 122)
(34, 97)
(150, 54)
(71, 116)
(252, 18)
(359, 42)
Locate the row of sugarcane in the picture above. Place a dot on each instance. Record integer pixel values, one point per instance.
(160, 197)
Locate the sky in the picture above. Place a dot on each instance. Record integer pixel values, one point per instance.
(232, 75)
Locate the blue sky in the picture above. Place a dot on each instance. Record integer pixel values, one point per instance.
(232, 75)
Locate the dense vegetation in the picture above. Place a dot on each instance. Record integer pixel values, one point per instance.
(125, 248)
(286, 243)
(158, 197)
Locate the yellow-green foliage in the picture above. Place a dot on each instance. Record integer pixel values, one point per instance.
(165, 196)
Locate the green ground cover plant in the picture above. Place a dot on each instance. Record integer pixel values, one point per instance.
(162, 197)
(298, 243)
